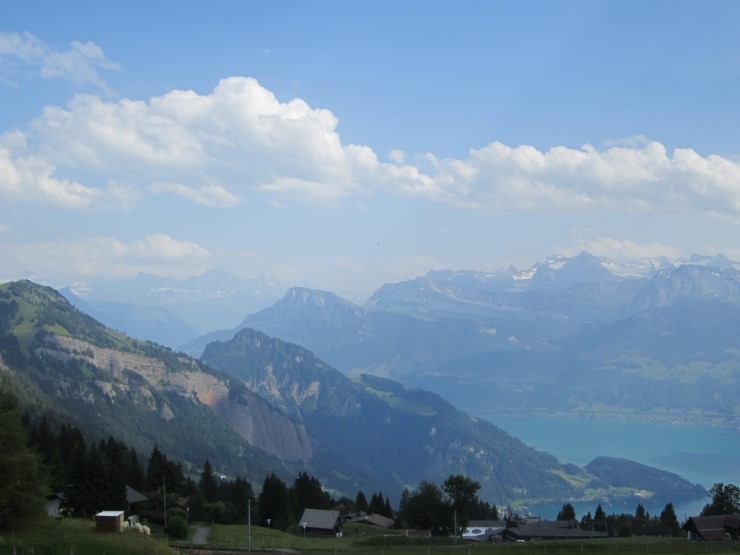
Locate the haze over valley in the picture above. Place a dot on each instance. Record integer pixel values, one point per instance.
(497, 238)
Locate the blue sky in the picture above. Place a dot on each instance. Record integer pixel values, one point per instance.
(343, 145)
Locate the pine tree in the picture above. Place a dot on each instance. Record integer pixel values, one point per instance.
(116, 462)
(668, 518)
(600, 519)
(241, 495)
(208, 486)
(23, 484)
(76, 493)
(135, 473)
(567, 512)
(155, 471)
(274, 503)
(361, 502)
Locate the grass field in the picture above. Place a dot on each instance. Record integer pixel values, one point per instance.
(78, 537)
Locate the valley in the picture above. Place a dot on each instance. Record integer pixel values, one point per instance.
(434, 365)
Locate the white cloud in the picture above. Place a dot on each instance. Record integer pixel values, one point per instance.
(632, 178)
(92, 256)
(622, 251)
(240, 140)
(30, 177)
(24, 52)
(208, 195)
(397, 156)
(158, 246)
(239, 136)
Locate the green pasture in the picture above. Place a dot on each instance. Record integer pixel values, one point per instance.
(78, 537)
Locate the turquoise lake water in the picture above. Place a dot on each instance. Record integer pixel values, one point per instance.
(702, 454)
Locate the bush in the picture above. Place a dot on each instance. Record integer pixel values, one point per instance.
(177, 528)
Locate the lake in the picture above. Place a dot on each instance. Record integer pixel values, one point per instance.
(702, 454)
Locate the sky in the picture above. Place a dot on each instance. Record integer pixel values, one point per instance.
(343, 145)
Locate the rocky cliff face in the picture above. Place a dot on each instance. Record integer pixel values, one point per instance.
(139, 378)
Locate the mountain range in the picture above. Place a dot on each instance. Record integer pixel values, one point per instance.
(255, 404)
(566, 336)
(173, 311)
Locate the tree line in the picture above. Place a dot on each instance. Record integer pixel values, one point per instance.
(36, 460)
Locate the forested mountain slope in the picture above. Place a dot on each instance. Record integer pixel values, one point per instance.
(255, 405)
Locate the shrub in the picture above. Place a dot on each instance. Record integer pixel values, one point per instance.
(177, 528)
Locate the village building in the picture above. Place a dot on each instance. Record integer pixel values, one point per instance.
(484, 530)
(321, 522)
(712, 528)
(548, 530)
(372, 518)
(109, 521)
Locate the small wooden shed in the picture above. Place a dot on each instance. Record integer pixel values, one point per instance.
(109, 521)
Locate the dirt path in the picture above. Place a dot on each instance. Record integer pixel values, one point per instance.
(201, 535)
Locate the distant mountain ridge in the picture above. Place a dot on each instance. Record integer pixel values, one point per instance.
(173, 311)
(258, 404)
(454, 331)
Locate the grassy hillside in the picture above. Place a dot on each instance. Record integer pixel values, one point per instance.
(50, 537)
(67, 366)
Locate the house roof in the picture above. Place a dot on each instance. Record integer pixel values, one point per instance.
(482, 530)
(550, 529)
(372, 518)
(108, 514)
(133, 496)
(714, 527)
(320, 519)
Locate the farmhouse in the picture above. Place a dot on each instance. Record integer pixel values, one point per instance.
(715, 527)
(54, 503)
(134, 499)
(483, 530)
(372, 518)
(320, 522)
(548, 530)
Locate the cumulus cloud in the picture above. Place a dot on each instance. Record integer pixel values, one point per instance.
(240, 140)
(208, 195)
(31, 177)
(238, 136)
(23, 53)
(622, 250)
(92, 256)
(645, 177)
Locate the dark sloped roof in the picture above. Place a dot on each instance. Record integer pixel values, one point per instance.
(372, 518)
(320, 519)
(713, 527)
(549, 530)
(133, 496)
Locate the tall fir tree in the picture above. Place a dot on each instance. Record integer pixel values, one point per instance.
(23, 484)
(274, 503)
(208, 485)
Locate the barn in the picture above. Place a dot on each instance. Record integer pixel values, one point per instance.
(109, 521)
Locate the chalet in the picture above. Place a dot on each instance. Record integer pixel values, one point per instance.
(715, 527)
(372, 518)
(109, 521)
(320, 522)
(134, 499)
(484, 530)
(547, 530)
(54, 504)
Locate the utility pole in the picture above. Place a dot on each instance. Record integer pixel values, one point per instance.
(249, 525)
(164, 498)
(455, 533)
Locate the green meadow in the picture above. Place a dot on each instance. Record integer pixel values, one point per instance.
(78, 537)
